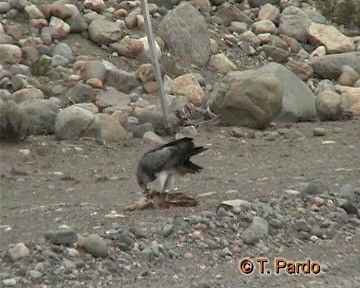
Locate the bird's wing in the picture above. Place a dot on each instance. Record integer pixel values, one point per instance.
(162, 159)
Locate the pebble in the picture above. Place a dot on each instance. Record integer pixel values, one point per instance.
(319, 132)
(11, 282)
(95, 245)
(258, 229)
(62, 236)
(18, 251)
(302, 225)
(167, 230)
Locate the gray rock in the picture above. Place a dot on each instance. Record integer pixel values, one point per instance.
(10, 54)
(294, 22)
(10, 282)
(228, 13)
(257, 230)
(331, 66)
(185, 32)
(34, 274)
(62, 236)
(18, 81)
(156, 118)
(298, 102)
(73, 123)
(350, 208)
(347, 191)
(121, 80)
(80, 93)
(329, 106)
(77, 23)
(167, 230)
(112, 97)
(211, 244)
(190, 131)
(27, 94)
(103, 31)
(41, 114)
(59, 60)
(323, 85)
(152, 138)
(138, 232)
(18, 251)
(275, 223)
(315, 187)
(64, 50)
(302, 225)
(258, 3)
(247, 98)
(95, 245)
(141, 129)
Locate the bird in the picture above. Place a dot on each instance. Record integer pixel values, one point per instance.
(166, 161)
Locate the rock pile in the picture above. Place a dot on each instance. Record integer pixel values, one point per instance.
(201, 45)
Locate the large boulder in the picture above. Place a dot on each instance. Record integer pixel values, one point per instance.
(331, 66)
(186, 34)
(330, 37)
(294, 22)
(298, 100)
(73, 122)
(103, 31)
(247, 98)
(41, 114)
(329, 105)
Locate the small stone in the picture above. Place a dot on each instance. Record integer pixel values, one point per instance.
(258, 229)
(18, 251)
(138, 232)
(211, 244)
(141, 129)
(34, 274)
(62, 236)
(96, 246)
(315, 187)
(314, 238)
(152, 138)
(9, 282)
(71, 252)
(275, 223)
(190, 131)
(167, 230)
(302, 225)
(319, 132)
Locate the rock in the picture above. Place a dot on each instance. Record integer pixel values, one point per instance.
(238, 27)
(221, 63)
(298, 103)
(323, 85)
(190, 131)
(145, 53)
(41, 114)
(277, 54)
(64, 236)
(269, 12)
(184, 25)
(138, 232)
(121, 80)
(103, 31)
(228, 13)
(77, 23)
(303, 70)
(331, 66)
(11, 282)
(328, 35)
(18, 251)
(128, 47)
(302, 225)
(27, 94)
(112, 97)
(258, 3)
(93, 69)
(347, 191)
(247, 99)
(264, 26)
(96, 5)
(59, 26)
(257, 230)
(64, 50)
(329, 105)
(188, 86)
(156, 118)
(315, 187)
(294, 22)
(319, 132)
(95, 245)
(141, 129)
(80, 93)
(10, 54)
(152, 138)
(73, 123)
(167, 230)
(348, 76)
(108, 129)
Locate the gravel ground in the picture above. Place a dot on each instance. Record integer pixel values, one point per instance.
(86, 186)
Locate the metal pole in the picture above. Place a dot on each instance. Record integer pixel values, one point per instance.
(155, 62)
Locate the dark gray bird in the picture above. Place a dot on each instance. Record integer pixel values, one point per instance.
(165, 161)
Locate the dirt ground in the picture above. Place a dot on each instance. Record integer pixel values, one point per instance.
(77, 183)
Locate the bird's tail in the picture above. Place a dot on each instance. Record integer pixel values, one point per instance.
(191, 167)
(197, 150)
